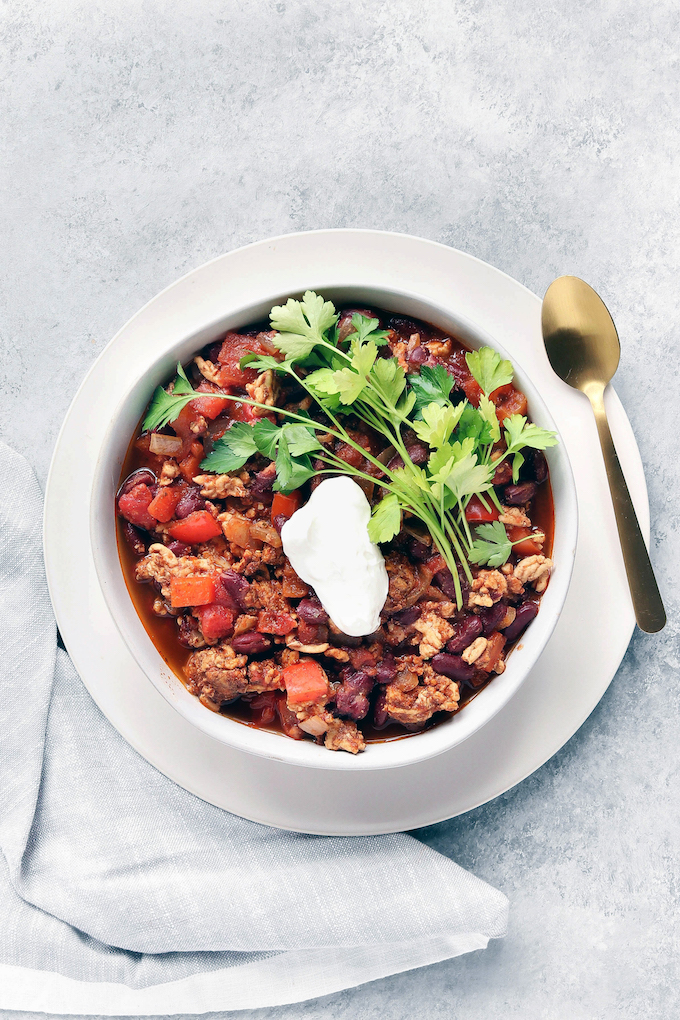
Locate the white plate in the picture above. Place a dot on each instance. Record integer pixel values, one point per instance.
(568, 679)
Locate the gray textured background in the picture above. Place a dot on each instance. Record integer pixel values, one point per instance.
(147, 138)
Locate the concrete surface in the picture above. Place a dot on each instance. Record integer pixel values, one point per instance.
(143, 138)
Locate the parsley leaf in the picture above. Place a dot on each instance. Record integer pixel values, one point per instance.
(368, 327)
(467, 477)
(433, 384)
(230, 453)
(492, 546)
(438, 423)
(488, 369)
(261, 362)
(519, 433)
(352, 381)
(291, 472)
(517, 462)
(488, 412)
(301, 324)
(165, 407)
(390, 378)
(265, 436)
(385, 520)
(300, 439)
(474, 426)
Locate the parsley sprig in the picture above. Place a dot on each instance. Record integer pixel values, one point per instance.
(351, 377)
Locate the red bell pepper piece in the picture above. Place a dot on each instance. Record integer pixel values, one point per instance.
(200, 526)
(305, 682)
(191, 591)
(164, 503)
(285, 504)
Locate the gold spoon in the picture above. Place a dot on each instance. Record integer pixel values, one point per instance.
(583, 348)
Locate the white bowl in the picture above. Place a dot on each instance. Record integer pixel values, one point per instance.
(391, 754)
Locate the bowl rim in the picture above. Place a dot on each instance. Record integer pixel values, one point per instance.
(268, 744)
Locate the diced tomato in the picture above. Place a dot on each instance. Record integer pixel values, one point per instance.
(286, 503)
(510, 403)
(269, 622)
(134, 506)
(242, 412)
(199, 526)
(209, 406)
(305, 682)
(477, 512)
(216, 621)
(164, 504)
(183, 421)
(526, 546)
(234, 347)
(191, 591)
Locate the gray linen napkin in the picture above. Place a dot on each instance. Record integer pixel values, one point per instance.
(121, 893)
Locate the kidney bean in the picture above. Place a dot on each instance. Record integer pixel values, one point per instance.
(418, 355)
(190, 501)
(351, 697)
(380, 716)
(396, 463)
(143, 476)
(539, 466)
(279, 520)
(452, 666)
(250, 643)
(503, 473)
(312, 611)
(525, 614)
(179, 548)
(444, 580)
(134, 539)
(491, 617)
(407, 616)
(237, 587)
(418, 453)
(386, 670)
(261, 485)
(418, 550)
(464, 633)
(516, 495)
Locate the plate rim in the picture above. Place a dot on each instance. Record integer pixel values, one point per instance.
(52, 583)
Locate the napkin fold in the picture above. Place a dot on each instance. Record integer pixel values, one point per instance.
(121, 893)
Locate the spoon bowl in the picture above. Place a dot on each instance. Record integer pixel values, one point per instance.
(580, 336)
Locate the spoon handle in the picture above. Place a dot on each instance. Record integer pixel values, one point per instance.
(649, 610)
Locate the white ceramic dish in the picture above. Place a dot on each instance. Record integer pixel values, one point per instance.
(389, 754)
(564, 686)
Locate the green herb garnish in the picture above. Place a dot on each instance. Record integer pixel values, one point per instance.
(351, 377)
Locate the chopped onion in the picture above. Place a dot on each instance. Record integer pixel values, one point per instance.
(167, 446)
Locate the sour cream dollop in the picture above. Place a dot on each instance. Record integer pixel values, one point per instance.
(328, 546)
